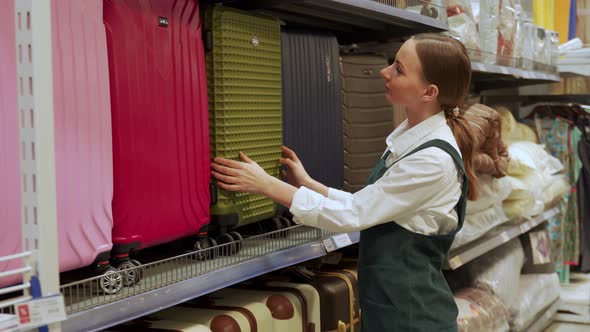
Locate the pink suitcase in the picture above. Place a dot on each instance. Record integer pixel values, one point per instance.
(83, 139)
(160, 123)
(10, 237)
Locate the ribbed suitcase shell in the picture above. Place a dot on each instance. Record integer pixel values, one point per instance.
(157, 325)
(312, 116)
(160, 120)
(83, 148)
(367, 116)
(339, 299)
(245, 94)
(10, 214)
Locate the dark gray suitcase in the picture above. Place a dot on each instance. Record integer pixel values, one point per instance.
(312, 119)
(367, 116)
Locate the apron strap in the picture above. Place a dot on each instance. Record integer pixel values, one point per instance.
(448, 148)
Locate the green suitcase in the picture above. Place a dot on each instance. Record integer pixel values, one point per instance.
(245, 104)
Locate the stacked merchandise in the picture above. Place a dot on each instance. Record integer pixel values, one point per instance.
(489, 20)
(536, 294)
(480, 311)
(574, 58)
(533, 173)
(575, 300)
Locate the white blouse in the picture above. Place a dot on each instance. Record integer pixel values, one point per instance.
(419, 192)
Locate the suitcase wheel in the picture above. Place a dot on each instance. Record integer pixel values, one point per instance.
(230, 248)
(238, 238)
(111, 281)
(131, 271)
(202, 244)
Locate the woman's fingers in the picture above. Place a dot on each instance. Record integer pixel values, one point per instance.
(245, 158)
(228, 162)
(229, 187)
(225, 178)
(288, 153)
(225, 170)
(287, 162)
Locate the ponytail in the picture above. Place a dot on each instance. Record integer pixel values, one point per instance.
(465, 139)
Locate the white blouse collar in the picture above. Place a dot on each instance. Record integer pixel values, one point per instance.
(403, 138)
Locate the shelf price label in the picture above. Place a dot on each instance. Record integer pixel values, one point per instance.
(39, 312)
(337, 242)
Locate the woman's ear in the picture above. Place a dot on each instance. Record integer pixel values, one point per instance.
(431, 93)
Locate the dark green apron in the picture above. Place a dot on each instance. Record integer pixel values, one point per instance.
(401, 284)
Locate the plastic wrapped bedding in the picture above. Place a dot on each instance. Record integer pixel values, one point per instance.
(534, 156)
(489, 19)
(462, 25)
(490, 191)
(478, 224)
(491, 155)
(555, 191)
(518, 209)
(498, 271)
(536, 292)
(480, 311)
(512, 130)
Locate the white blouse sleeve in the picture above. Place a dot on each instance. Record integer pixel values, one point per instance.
(425, 179)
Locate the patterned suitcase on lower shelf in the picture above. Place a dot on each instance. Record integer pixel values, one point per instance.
(245, 112)
(82, 129)
(339, 299)
(147, 324)
(221, 315)
(367, 116)
(312, 118)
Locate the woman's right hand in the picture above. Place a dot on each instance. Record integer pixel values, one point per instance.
(295, 173)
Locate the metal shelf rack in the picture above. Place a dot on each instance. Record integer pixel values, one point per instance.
(503, 234)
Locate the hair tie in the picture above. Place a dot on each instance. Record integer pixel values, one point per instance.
(452, 112)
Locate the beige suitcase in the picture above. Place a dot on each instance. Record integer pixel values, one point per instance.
(156, 325)
(310, 298)
(242, 315)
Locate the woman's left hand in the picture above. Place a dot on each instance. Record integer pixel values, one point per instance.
(244, 176)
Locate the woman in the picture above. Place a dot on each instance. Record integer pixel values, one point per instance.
(414, 202)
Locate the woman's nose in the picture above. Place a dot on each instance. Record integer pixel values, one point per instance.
(385, 73)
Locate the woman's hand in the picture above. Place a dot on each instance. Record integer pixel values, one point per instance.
(245, 176)
(295, 173)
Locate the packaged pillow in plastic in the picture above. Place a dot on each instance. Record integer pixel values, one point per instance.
(480, 311)
(536, 292)
(518, 209)
(528, 185)
(506, 28)
(512, 130)
(462, 25)
(477, 225)
(489, 12)
(499, 271)
(535, 156)
(490, 191)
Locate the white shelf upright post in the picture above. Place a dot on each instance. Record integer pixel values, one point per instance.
(37, 153)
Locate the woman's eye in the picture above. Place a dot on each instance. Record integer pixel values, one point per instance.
(397, 70)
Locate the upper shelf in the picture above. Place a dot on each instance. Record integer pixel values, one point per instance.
(351, 20)
(491, 76)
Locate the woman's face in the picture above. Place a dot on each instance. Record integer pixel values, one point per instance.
(404, 82)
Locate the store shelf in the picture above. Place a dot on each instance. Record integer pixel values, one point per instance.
(490, 76)
(503, 234)
(545, 319)
(350, 20)
(179, 279)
